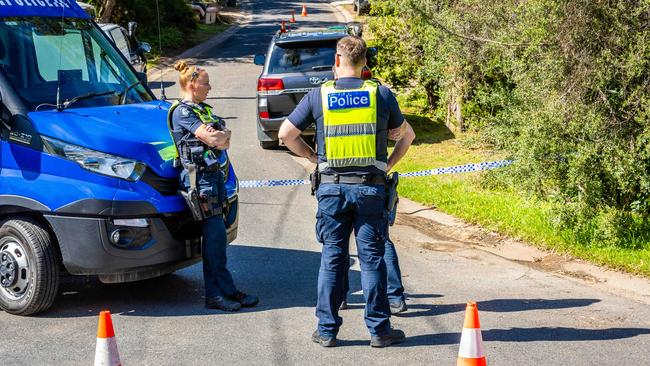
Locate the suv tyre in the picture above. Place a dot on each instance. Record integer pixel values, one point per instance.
(269, 145)
(29, 268)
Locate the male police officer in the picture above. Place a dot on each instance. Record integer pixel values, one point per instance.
(354, 119)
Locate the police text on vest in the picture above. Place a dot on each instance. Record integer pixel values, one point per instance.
(344, 100)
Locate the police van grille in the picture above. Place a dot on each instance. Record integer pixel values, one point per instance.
(166, 186)
(182, 226)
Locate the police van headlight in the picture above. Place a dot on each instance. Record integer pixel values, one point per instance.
(95, 161)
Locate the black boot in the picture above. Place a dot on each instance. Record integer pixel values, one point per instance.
(393, 337)
(323, 341)
(222, 303)
(244, 299)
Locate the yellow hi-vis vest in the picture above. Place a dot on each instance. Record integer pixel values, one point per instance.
(204, 115)
(350, 126)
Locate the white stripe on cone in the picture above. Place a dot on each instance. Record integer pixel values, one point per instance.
(471, 343)
(106, 352)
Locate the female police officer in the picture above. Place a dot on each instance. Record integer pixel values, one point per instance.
(199, 137)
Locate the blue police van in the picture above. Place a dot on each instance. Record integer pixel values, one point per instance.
(87, 180)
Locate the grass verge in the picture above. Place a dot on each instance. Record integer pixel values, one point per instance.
(507, 212)
(174, 42)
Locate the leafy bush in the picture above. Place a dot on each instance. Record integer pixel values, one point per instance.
(176, 20)
(561, 87)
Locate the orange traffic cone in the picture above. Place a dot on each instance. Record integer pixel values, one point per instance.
(106, 351)
(283, 27)
(304, 10)
(471, 341)
(293, 16)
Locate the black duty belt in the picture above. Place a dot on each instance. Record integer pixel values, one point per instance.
(353, 179)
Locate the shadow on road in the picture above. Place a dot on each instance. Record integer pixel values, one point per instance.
(498, 306)
(553, 334)
(282, 278)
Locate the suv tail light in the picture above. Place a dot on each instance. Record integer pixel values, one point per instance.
(265, 84)
(366, 74)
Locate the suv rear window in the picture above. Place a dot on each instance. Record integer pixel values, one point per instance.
(302, 57)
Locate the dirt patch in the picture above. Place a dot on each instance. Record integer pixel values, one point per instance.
(454, 238)
(450, 234)
(557, 264)
(439, 247)
(430, 228)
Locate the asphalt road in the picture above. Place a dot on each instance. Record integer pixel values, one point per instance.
(528, 317)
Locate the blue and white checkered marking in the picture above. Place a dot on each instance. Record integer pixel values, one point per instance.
(467, 168)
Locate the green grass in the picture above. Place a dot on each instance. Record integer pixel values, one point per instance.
(508, 212)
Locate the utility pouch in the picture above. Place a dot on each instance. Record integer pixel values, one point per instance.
(196, 155)
(211, 160)
(219, 191)
(392, 197)
(210, 206)
(314, 179)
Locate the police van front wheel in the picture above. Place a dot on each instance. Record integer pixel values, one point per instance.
(29, 272)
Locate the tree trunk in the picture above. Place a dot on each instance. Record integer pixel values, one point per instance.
(455, 120)
(459, 112)
(432, 97)
(106, 11)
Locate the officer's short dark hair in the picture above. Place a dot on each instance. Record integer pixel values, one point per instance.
(352, 49)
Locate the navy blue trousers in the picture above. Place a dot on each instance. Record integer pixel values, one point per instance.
(342, 209)
(216, 277)
(394, 288)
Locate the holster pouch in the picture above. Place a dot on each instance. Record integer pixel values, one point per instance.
(206, 204)
(194, 203)
(314, 179)
(392, 197)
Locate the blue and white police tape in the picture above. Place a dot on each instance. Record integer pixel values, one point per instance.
(467, 168)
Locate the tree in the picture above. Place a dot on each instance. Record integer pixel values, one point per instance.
(563, 87)
(106, 10)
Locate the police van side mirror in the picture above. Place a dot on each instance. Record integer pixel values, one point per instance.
(144, 47)
(259, 60)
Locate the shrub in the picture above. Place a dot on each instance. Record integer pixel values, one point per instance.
(561, 87)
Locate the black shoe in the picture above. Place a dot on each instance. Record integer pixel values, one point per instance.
(393, 337)
(222, 303)
(344, 305)
(244, 299)
(398, 307)
(323, 341)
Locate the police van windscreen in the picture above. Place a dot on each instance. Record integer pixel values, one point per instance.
(302, 57)
(40, 55)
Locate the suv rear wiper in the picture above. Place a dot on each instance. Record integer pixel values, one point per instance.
(68, 102)
(322, 68)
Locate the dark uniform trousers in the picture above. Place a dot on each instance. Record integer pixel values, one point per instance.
(394, 288)
(217, 278)
(343, 208)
